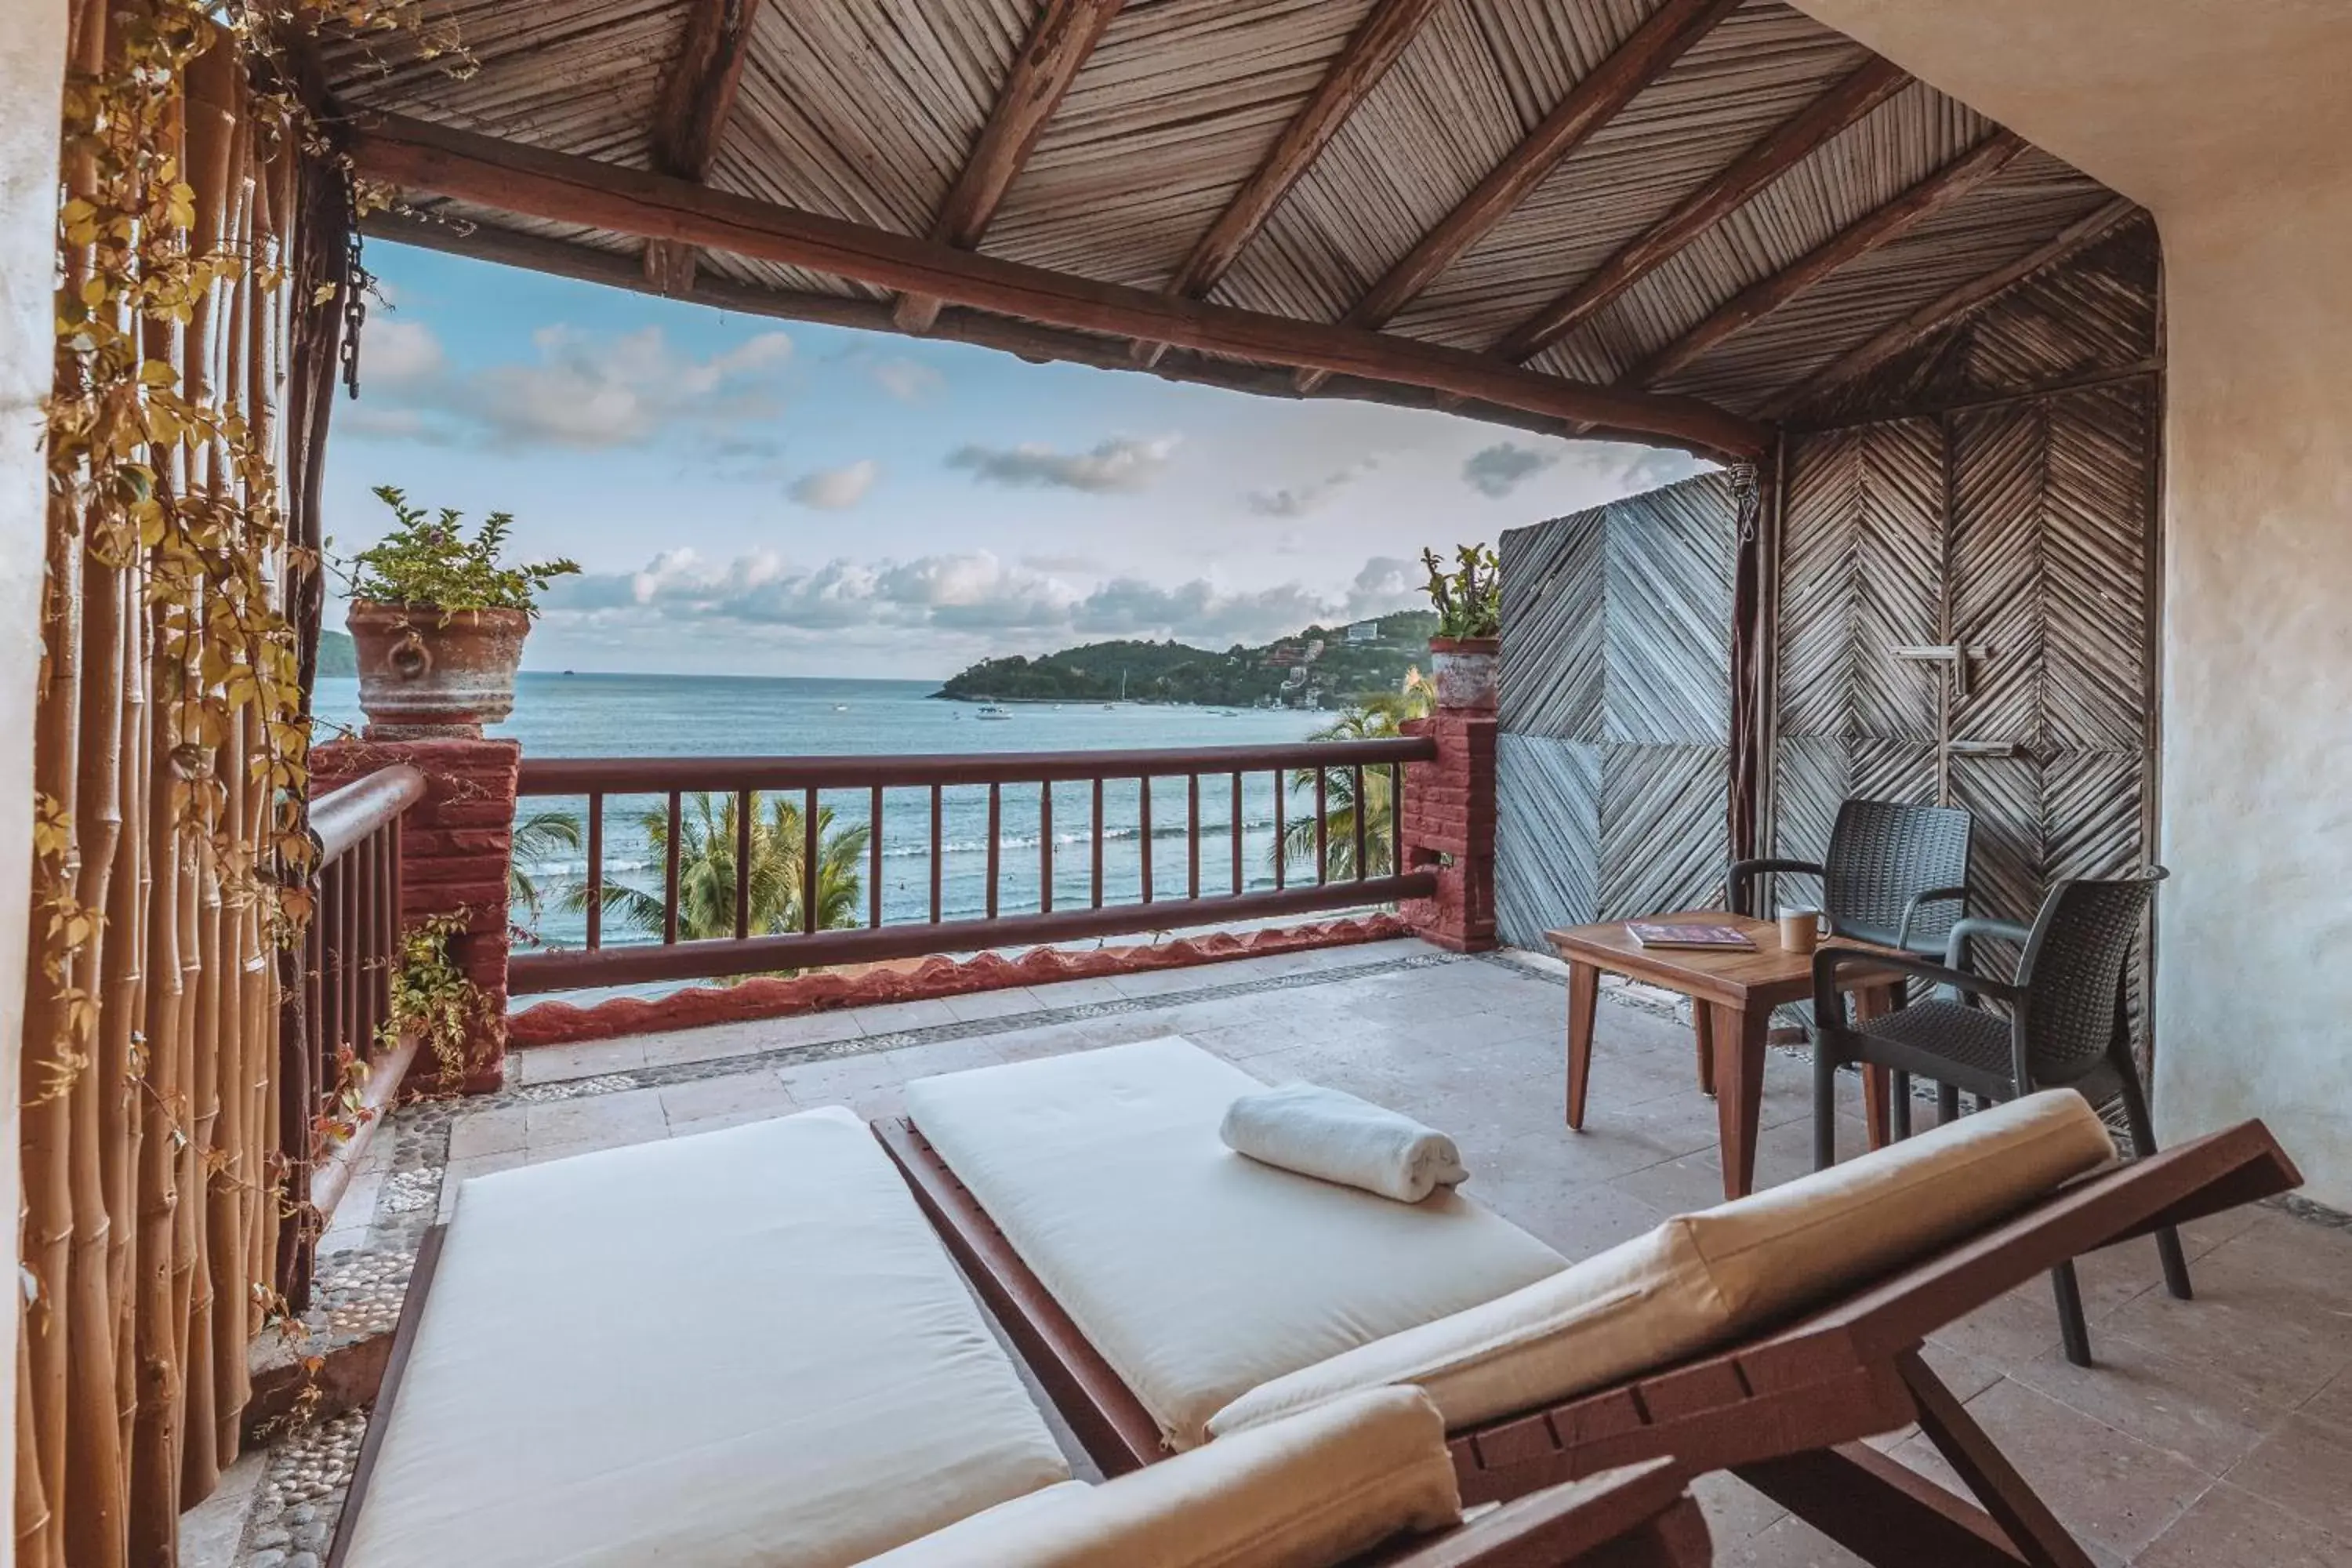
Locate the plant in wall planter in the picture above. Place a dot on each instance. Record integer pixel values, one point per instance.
(1465, 656)
(438, 623)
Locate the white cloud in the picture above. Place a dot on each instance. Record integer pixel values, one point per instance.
(1086, 565)
(971, 594)
(396, 350)
(908, 380)
(584, 390)
(1201, 611)
(1387, 583)
(1500, 469)
(1119, 464)
(1297, 501)
(835, 489)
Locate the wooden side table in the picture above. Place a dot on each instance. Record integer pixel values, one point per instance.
(1732, 997)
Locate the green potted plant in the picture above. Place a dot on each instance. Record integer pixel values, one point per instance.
(1465, 656)
(438, 623)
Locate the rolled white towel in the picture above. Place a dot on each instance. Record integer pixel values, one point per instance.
(1329, 1133)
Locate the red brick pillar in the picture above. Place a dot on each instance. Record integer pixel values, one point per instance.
(455, 846)
(1448, 826)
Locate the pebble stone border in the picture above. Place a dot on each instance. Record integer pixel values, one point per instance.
(302, 1495)
(358, 1291)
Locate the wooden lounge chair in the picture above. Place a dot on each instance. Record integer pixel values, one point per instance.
(591, 1231)
(1784, 1408)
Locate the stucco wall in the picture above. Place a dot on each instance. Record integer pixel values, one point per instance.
(32, 63)
(2255, 976)
(2229, 119)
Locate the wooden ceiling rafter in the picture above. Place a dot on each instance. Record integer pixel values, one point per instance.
(697, 98)
(1056, 49)
(1378, 40)
(1948, 307)
(1781, 150)
(422, 157)
(1878, 228)
(1036, 344)
(1597, 97)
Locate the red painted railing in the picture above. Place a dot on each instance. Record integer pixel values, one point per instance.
(1211, 896)
(350, 950)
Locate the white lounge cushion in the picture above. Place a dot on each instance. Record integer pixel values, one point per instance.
(744, 1347)
(1311, 1491)
(1702, 1280)
(1198, 1273)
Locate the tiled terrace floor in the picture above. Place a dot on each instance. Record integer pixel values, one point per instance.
(2212, 1432)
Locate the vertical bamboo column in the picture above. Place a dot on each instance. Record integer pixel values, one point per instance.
(150, 1073)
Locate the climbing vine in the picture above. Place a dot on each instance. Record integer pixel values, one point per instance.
(170, 747)
(433, 999)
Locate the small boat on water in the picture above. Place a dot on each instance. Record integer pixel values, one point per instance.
(991, 711)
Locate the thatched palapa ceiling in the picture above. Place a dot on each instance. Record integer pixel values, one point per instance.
(1679, 221)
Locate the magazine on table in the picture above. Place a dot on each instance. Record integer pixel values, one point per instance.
(1693, 938)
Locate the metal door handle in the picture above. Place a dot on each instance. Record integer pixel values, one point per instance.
(1983, 748)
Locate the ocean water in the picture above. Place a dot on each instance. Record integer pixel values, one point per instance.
(697, 716)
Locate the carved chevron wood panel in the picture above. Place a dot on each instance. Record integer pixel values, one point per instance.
(2000, 485)
(2098, 548)
(1613, 775)
(1665, 839)
(2049, 563)
(1862, 576)
(2043, 561)
(1547, 835)
(1668, 613)
(1553, 639)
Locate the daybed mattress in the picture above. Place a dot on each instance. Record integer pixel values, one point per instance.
(744, 1347)
(1197, 1273)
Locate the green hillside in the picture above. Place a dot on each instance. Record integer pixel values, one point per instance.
(337, 656)
(1293, 671)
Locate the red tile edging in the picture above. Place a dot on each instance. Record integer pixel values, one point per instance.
(561, 1023)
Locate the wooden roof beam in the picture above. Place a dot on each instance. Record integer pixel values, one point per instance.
(1781, 149)
(423, 158)
(1377, 42)
(1035, 344)
(697, 101)
(1065, 34)
(1602, 94)
(1949, 306)
(1760, 300)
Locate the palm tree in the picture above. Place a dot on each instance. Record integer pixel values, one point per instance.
(536, 837)
(705, 870)
(1376, 716)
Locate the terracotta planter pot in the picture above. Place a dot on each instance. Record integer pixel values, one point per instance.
(423, 673)
(1466, 672)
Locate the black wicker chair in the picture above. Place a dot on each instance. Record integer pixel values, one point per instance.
(1891, 871)
(2068, 1027)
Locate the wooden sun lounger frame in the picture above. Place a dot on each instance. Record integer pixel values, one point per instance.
(1785, 1409)
(1636, 1516)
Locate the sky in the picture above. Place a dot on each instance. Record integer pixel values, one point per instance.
(753, 497)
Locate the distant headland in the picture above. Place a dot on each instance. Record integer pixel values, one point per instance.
(1314, 669)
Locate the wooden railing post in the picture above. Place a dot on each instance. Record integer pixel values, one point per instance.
(455, 847)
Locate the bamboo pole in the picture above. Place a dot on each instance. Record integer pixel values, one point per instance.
(152, 1110)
